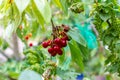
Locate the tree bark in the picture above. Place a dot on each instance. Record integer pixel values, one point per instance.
(15, 47)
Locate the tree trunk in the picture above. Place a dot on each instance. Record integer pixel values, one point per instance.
(15, 47)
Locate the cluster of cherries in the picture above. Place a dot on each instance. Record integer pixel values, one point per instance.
(59, 40)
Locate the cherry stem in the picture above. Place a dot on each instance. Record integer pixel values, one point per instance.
(53, 29)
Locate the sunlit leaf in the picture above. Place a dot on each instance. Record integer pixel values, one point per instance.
(66, 63)
(84, 50)
(76, 54)
(75, 35)
(30, 75)
(62, 58)
(104, 16)
(64, 6)
(13, 75)
(22, 4)
(38, 15)
(57, 2)
(44, 9)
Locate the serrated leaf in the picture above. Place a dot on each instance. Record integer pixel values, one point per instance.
(76, 36)
(111, 58)
(76, 54)
(104, 16)
(30, 75)
(44, 8)
(22, 4)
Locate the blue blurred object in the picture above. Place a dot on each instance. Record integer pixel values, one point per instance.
(80, 77)
(87, 33)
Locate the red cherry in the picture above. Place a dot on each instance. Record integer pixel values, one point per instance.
(49, 42)
(26, 37)
(59, 45)
(45, 44)
(50, 50)
(56, 48)
(63, 43)
(30, 44)
(53, 54)
(66, 28)
(60, 52)
(65, 38)
(57, 41)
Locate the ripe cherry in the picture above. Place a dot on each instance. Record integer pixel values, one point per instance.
(53, 54)
(50, 50)
(65, 38)
(60, 52)
(63, 43)
(45, 44)
(30, 44)
(56, 48)
(49, 42)
(57, 41)
(66, 28)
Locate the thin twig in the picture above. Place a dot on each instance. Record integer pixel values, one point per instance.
(53, 29)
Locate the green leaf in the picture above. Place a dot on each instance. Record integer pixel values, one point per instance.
(5, 45)
(57, 2)
(110, 58)
(84, 50)
(64, 6)
(1, 41)
(76, 54)
(76, 36)
(44, 9)
(13, 75)
(66, 74)
(66, 63)
(62, 58)
(104, 16)
(19, 33)
(22, 4)
(117, 12)
(38, 15)
(104, 25)
(17, 21)
(30, 75)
